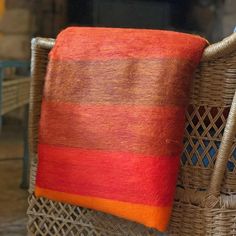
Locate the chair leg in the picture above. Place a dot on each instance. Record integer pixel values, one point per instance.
(25, 171)
(1, 82)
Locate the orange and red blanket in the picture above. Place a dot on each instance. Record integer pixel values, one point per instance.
(112, 120)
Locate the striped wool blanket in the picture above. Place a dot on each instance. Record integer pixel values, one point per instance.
(112, 120)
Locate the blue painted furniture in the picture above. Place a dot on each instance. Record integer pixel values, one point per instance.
(14, 93)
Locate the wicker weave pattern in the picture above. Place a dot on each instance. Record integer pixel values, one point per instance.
(203, 134)
(215, 82)
(205, 203)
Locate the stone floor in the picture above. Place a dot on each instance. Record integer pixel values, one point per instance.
(13, 200)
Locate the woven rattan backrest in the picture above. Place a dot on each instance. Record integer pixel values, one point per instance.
(211, 98)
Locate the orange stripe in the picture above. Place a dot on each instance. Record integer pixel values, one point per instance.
(154, 217)
(81, 43)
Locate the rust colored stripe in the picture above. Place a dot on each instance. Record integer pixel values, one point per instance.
(112, 175)
(154, 217)
(149, 82)
(137, 129)
(77, 43)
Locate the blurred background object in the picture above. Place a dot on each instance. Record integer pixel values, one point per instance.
(20, 20)
(2, 7)
(210, 18)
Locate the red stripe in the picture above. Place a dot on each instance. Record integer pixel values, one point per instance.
(110, 175)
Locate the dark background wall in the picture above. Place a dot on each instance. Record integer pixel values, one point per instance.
(198, 16)
(204, 17)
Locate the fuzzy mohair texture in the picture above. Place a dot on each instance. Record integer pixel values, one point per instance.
(112, 120)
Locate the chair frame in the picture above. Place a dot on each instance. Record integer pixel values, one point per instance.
(209, 201)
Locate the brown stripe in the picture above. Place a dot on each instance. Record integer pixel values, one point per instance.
(149, 82)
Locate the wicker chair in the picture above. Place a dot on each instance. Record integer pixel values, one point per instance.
(205, 202)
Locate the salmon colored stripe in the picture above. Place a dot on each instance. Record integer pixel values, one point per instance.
(118, 176)
(155, 131)
(110, 43)
(154, 217)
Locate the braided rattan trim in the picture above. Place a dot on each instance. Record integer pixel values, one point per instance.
(220, 49)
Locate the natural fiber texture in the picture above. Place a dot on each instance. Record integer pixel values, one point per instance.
(112, 120)
(211, 100)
